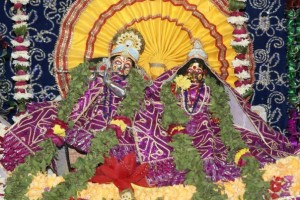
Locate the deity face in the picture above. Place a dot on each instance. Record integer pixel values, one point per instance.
(195, 72)
(122, 65)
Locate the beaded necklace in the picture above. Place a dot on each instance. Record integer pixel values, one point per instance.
(194, 105)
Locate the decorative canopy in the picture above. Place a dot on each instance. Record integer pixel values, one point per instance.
(169, 28)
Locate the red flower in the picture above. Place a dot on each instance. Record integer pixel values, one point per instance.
(241, 161)
(173, 88)
(122, 173)
(275, 186)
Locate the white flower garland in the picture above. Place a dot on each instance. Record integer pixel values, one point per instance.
(21, 17)
(23, 2)
(25, 43)
(238, 20)
(238, 62)
(20, 95)
(21, 77)
(243, 75)
(20, 54)
(22, 63)
(243, 43)
(15, 26)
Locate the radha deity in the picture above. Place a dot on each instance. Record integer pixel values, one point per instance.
(195, 96)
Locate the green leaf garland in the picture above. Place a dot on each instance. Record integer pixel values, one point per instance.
(172, 114)
(78, 85)
(220, 109)
(85, 167)
(186, 157)
(134, 95)
(21, 177)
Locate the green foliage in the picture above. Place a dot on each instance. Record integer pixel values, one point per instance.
(256, 187)
(186, 157)
(172, 114)
(78, 85)
(21, 177)
(22, 30)
(85, 167)
(20, 67)
(236, 5)
(220, 109)
(134, 95)
(240, 49)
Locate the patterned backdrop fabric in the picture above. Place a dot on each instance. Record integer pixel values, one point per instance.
(43, 24)
(266, 25)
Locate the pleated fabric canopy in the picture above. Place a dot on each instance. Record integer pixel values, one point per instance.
(168, 26)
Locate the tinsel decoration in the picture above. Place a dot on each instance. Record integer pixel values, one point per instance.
(293, 73)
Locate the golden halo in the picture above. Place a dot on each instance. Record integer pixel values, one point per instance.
(168, 27)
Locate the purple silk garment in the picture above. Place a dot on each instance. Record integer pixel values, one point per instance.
(152, 140)
(93, 113)
(264, 143)
(22, 138)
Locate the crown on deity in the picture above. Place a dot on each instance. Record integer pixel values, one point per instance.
(197, 51)
(129, 43)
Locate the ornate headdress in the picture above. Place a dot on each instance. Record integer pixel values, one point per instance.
(129, 43)
(197, 52)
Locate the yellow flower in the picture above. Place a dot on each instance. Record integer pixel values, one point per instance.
(239, 154)
(40, 183)
(178, 128)
(183, 82)
(96, 191)
(234, 189)
(58, 130)
(119, 123)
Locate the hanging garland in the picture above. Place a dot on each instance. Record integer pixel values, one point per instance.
(85, 167)
(186, 157)
(21, 177)
(78, 85)
(20, 55)
(240, 44)
(134, 94)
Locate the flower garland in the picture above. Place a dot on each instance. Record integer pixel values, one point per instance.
(21, 177)
(134, 94)
(172, 114)
(240, 44)
(41, 183)
(85, 167)
(20, 55)
(186, 157)
(256, 187)
(78, 84)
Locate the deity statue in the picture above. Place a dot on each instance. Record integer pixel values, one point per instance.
(92, 112)
(196, 98)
